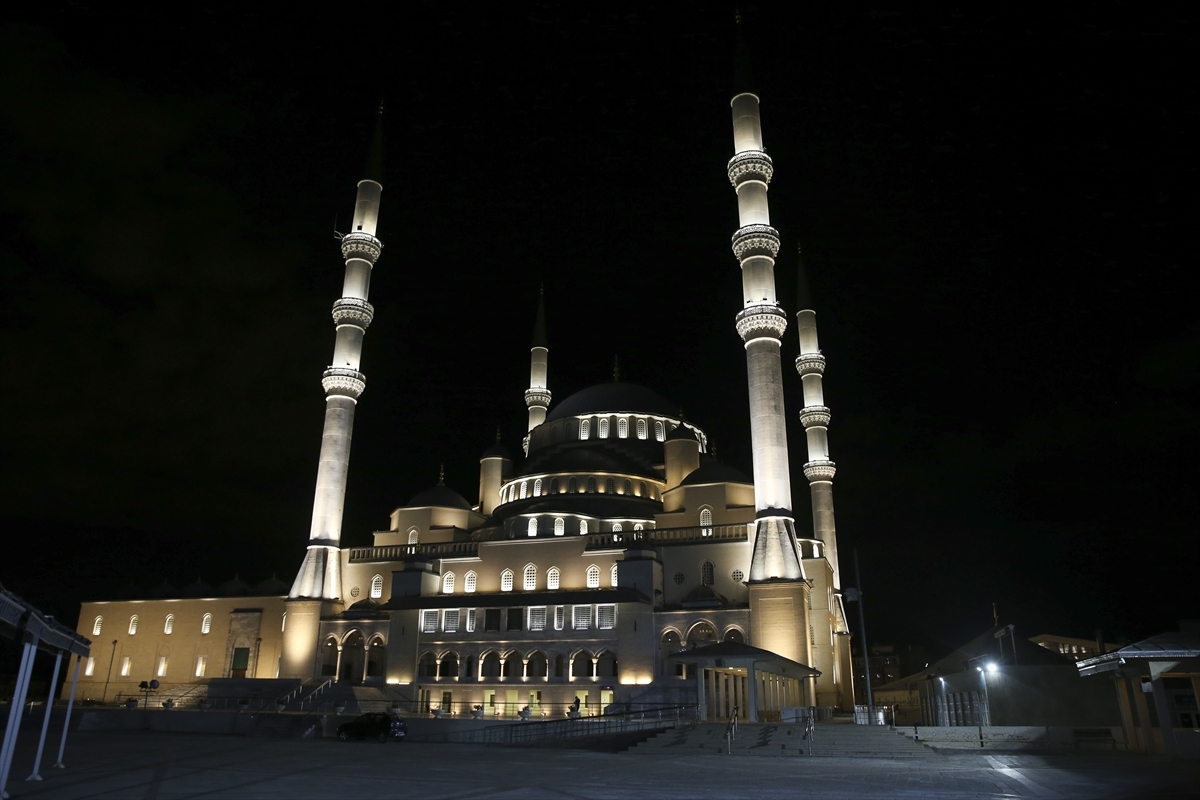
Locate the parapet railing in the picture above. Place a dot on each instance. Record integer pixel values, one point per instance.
(531, 732)
(400, 552)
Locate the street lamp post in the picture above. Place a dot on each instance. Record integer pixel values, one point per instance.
(104, 694)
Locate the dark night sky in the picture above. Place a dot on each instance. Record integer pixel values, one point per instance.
(992, 207)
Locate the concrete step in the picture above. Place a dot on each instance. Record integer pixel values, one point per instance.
(832, 741)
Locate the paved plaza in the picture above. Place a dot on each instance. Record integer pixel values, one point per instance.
(155, 766)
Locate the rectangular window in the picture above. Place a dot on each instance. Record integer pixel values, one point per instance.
(90, 668)
(126, 666)
(200, 662)
(429, 620)
(450, 620)
(559, 616)
(606, 617)
(491, 619)
(470, 620)
(537, 618)
(514, 619)
(162, 666)
(581, 617)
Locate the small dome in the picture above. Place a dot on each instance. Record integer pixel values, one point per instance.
(197, 589)
(163, 591)
(613, 398)
(234, 588)
(714, 472)
(441, 496)
(682, 432)
(271, 586)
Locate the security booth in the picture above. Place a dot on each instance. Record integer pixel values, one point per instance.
(758, 683)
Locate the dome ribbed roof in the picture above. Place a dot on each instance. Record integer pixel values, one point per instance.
(682, 432)
(270, 586)
(440, 495)
(614, 397)
(714, 472)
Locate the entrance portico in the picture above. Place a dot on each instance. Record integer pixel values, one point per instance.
(757, 682)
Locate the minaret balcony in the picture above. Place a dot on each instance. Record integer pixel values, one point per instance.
(343, 382)
(814, 417)
(810, 364)
(352, 311)
(751, 165)
(537, 398)
(819, 471)
(761, 321)
(361, 245)
(755, 240)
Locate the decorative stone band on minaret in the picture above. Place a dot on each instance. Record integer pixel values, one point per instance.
(320, 576)
(815, 417)
(761, 325)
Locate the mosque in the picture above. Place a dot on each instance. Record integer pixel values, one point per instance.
(614, 561)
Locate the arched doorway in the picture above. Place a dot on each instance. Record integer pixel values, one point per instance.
(581, 666)
(734, 635)
(427, 666)
(329, 658)
(376, 658)
(353, 656)
(701, 635)
(490, 666)
(537, 666)
(450, 665)
(670, 644)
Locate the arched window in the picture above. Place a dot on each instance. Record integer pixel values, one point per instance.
(706, 573)
(206, 623)
(609, 486)
(585, 428)
(469, 582)
(524, 488)
(97, 625)
(706, 521)
(448, 583)
(660, 433)
(283, 623)
(554, 486)
(414, 536)
(628, 487)
(169, 624)
(506, 580)
(537, 488)
(553, 576)
(591, 486)
(572, 486)
(623, 428)
(531, 528)
(637, 526)
(582, 526)
(530, 582)
(641, 428)
(593, 577)
(613, 575)
(377, 587)
(641, 488)
(604, 427)
(559, 526)
(618, 527)
(133, 621)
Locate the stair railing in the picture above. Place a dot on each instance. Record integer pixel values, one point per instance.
(316, 692)
(731, 731)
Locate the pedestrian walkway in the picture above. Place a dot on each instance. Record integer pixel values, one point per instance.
(786, 740)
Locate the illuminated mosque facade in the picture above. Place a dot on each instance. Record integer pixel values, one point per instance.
(615, 562)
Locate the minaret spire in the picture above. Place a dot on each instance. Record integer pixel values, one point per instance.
(815, 417)
(761, 324)
(320, 575)
(537, 396)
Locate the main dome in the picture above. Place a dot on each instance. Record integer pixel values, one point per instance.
(614, 398)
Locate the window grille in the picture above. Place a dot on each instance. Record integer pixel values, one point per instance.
(559, 526)
(628, 487)
(660, 433)
(206, 623)
(609, 486)
(706, 573)
(506, 580)
(169, 625)
(469, 582)
(530, 578)
(583, 527)
(572, 486)
(606, 617)
(537, 488)
(414, 536)
(641, 488)
(554, 486)
(559, 617)
(613, 575)
(552, 578)
(591, 485)
(623, 428)
(429, 620)
(524, 488)
(531, 527)
(738, 576)
(706, 520)
(133, 621)
(450, 620)
(537, 618)
(470, 620)
(97, 625)
(447, 584)
(581, 618)
(641, 428)
(593, 577)
(377, 586)
(604, 428)
(638, 526)
(618, 527)
(585, 428)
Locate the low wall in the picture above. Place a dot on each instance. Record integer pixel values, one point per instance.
(1019, 737)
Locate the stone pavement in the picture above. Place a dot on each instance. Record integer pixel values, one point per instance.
(154, 766)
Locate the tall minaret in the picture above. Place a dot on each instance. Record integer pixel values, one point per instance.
(815, 417)
(761, 324)
(537, 396)
(320, 575)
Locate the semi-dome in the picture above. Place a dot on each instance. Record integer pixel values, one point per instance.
(271, 586)
(442, 496)
(714, 472)
(615, 398)
(234, 588)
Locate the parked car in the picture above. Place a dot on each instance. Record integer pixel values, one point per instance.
(373, 726)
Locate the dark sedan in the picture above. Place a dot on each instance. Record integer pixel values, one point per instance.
(380, 727)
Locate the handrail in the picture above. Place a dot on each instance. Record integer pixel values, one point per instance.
(311, 695)
(731, 731)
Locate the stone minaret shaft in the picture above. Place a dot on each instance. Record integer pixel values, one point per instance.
(761, 324)
(537, 396)
(320, 574)
(815, 417)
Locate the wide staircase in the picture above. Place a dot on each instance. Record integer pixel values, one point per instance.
(832, 740)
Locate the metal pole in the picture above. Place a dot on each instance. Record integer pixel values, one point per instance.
(15, 710)
(37, 761)
(111, 658)
(862, 626)
(62, 746)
